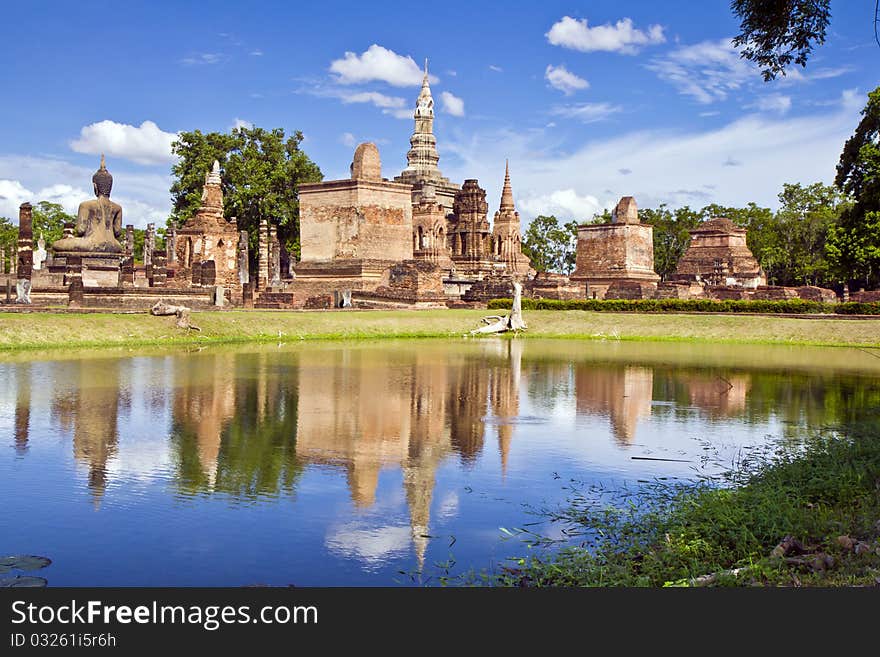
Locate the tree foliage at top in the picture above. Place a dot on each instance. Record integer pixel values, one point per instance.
(854, 245)
(261, 172)
(778, 33)
(549, 246)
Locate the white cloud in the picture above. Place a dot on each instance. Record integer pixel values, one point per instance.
(378, 63)
(256, 53)
(392, 105)
(145, 144)
(374, 98)
(203, 58)
(348, 139)
(706, 71)
(241, 123)
(452, 104)
(745, 160)
(495, 69)
(12, 195)
(621, 37)
(777, 103)
(565, 204)
(564, 80)
(587, 112)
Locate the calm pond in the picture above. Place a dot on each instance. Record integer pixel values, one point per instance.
(347, 463)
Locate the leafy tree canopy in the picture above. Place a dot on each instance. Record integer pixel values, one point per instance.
(777, 33)
(261, 173)
(549, 246)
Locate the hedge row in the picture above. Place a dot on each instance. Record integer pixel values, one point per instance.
(791, 306)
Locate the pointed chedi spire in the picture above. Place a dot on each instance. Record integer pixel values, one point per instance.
(507, 192)
(422, 157)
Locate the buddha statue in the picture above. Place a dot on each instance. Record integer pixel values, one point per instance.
(98, 222)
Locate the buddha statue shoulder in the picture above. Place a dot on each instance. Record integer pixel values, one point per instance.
(98, 222)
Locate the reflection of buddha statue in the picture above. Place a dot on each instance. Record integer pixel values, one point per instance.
(98, 222)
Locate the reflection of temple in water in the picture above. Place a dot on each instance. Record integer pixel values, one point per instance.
(22, 407)
(364, 412)
(719, 396)
(87, 402)
(622, 393)
(203, 404)
(242, 423)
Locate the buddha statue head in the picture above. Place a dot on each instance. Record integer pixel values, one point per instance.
(102, 180)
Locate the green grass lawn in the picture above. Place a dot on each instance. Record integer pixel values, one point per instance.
(48, 330)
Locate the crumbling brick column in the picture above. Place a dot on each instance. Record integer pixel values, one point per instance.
(158, 271)
(274, 256)
(263, 253)
(171, 245)
(244, 274)
(25, 265)
(149, 244)
(129, 240)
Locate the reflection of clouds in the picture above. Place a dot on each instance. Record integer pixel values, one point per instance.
(143, 460)
(373, 545)
(449, 505)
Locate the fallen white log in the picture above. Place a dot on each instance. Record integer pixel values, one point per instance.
(512, 322)
(160, 308)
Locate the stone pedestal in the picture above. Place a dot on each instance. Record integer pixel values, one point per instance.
(96, 269)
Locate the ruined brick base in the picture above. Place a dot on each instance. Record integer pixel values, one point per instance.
(415, 282)
(547, 285)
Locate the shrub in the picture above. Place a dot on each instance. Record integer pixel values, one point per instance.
(790, 306)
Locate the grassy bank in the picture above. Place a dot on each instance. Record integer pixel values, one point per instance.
(807, 516)
(48, 330)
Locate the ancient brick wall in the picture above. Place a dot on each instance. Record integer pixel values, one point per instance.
(356, 219)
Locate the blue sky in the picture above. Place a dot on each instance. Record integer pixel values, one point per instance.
(590, 101)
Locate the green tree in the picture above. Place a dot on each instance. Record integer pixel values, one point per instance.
(803, 220)
(49, 220)
(549, 246)
(8, 240)
(671, 235)
(261, 174)
(777, 33)
(854, 245)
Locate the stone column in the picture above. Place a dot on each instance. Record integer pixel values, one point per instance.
(149, 244)
(126, 270)
(274, 256)
(2, 260)
(157, 269)
(73, 280)
(263, 253)
(129, 240)
(171, 245)
(24, 270)
(244, 274)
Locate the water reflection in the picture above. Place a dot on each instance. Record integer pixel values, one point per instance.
(247, 426)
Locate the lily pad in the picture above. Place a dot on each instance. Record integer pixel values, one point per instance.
(23, 581)
(23, 562)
